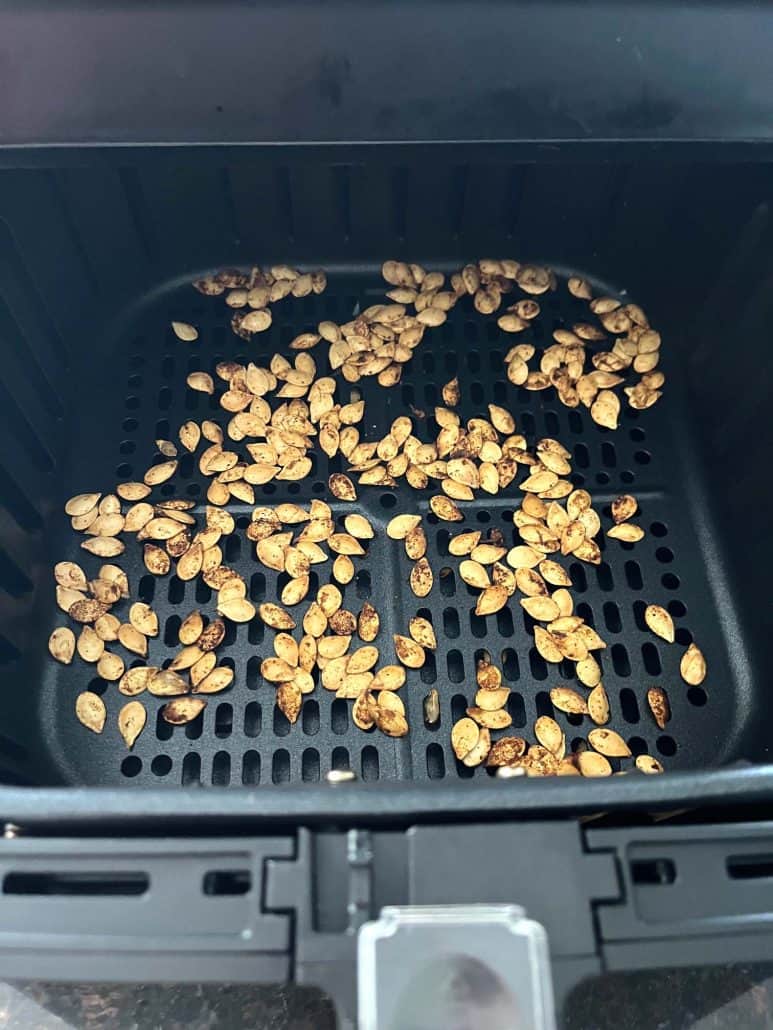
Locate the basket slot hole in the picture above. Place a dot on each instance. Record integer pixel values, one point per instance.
(251, 768)
(455, 666)
(280, 766)
(310, 765)
(339, 716)
(651, 659)
(191, 772)
(369, 763)
(436, 762)
(428, 671)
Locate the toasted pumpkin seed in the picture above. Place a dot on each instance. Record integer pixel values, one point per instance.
(657, 699)
(693, 666)
(182, 710)
(90, 710)
(660, 622)
(61, 644)
(131, 722)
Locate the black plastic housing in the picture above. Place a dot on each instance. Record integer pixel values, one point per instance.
(604, 159)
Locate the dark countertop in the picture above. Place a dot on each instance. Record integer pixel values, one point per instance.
(710, 998)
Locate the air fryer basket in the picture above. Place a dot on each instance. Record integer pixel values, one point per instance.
(97, 261)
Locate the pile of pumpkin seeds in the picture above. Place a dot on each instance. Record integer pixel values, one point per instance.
(280, 413)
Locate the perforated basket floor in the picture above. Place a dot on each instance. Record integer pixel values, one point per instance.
(137, 393)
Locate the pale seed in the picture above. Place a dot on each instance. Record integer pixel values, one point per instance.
(491, 700)
(479, 752)
(648, 765)
(131, 722)
(464, 737)
(90, 710)
(70, 575)
(61, 644)
(431, 703)
(133, 640)
(237, 609)
(609, 743)
(550, 735)
(589, 671)
(81, 504)
(497, 720)
(463, 543)
(543, 609)
(567, 700)
(202, 668)
(591, 763)
(104, 546)
(362, 660)
(627, 532)
(598, 705)
(144, 619)
(343, 569)
(474, 574)
(110, 667)
(185, 332)
(693, 666)
(215, 681)
(389, 677)
(132, 491)
(660, 622)
(90, 646)
(491, 599)
(359, 527)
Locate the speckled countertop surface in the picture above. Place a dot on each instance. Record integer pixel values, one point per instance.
(739, 997)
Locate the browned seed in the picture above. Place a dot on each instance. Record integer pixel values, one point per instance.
(445, 509)
(506, 751)
(87, 611)
(368, 622)
(156, 560)
(421, 578)
(624, 508)
(409, 652)
(416, 543)
(422, 631)
(342, 622)
(182, 710)
(657, 699)
(342, 487)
